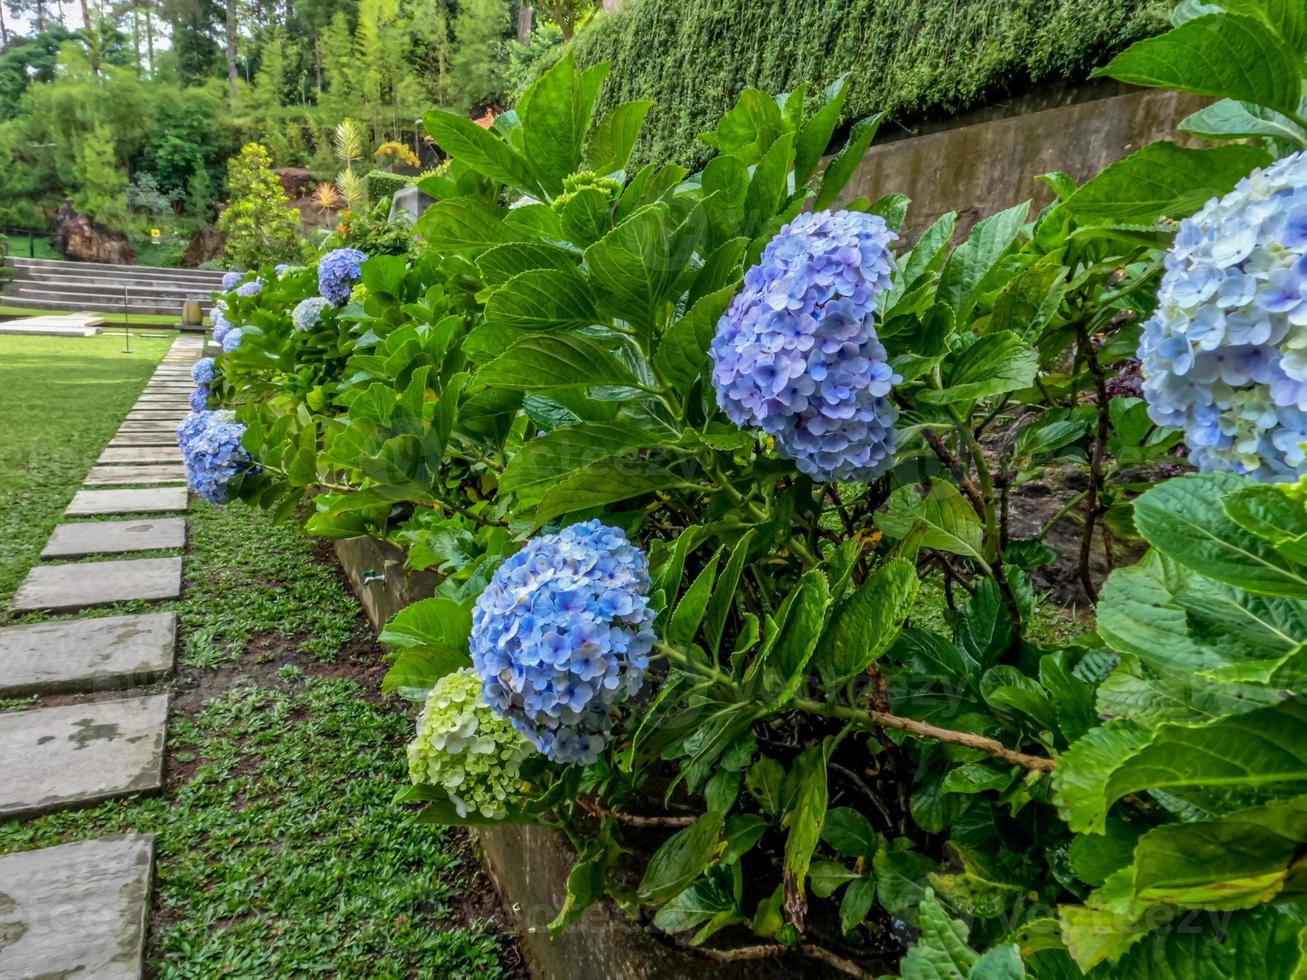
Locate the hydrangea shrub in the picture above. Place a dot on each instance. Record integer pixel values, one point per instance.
(797, 356)
(338, 271)
(1225, 355)
(466, 749)
(308, 312)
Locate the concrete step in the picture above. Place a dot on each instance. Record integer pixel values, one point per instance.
(105, 270)
(48, 301)
(143, 287)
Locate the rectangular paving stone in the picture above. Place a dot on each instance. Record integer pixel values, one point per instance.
(98, 654)
(112, 537)
(141, 454)
(163, 437)
(77, 754)
(148, 426)
(95, 583)
(153, 500)
(101, 476)
(76, 910)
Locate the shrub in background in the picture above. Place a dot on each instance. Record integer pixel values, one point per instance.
(259, 225)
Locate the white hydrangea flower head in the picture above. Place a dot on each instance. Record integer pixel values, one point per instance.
(1225, 355)
(467, 749)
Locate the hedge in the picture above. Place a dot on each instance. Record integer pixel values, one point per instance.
(915, 59)
(382, 183)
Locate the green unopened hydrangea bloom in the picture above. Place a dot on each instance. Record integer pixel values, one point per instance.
(466, 749)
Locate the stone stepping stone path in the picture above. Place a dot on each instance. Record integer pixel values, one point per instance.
(77, 910)
(81, 909)
(78, 754)
(115, 537)
(151, 500)
(149, 473)
(103, 653)
(141, 454)
(65, 588)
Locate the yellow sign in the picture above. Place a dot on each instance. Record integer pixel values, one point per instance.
(154, 233)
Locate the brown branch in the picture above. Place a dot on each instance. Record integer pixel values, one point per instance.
(921, 729)
(661, 820)
(770, 950)
(950, 462)
(1096, 455)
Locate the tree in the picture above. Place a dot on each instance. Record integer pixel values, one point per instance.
(260, 226)
(567, 14)
(103, 181)
(476, 66)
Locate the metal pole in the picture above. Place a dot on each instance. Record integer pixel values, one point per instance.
(31, 245)
(127, 329)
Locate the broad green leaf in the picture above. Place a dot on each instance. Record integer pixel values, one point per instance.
(768, 185)
(1230, 119)
(841, 168)
(555, 113)
(867, 623)
(419, 668)
(502, 263)
(850, 834)
(806, 818)
(1183, 518)
(971, 262)
(723, 596)
(585, 886)
(748, 128)
(685, 621)
(613, 137)
(546, 459)
(941, 951)
(429, 622)
(542, 361)
(799, 635)
(542, 299)
(857, 902)
(587, 216)
(764, 781)
(635, 267)
(680, 859)
(994, 364)
(479, 149)
(816, 133)
(682, 355)
(604, 482)
(942, 519)
(711, 895)
(1162, 179)
(1227, 56)
(463, 224)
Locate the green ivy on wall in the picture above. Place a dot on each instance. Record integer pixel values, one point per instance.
(910, 58)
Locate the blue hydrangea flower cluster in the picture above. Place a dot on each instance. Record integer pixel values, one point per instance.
(308, 312)
(230, 279)
(797, 356)
(338, 271)
(202, 371)
(211, 448)
(280, 269)
(200, 398)
(251, 288)
(221, 326)
(563, 631)
(231, 340)
(1224, 356)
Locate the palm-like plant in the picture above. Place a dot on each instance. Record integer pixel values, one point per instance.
(347, 141)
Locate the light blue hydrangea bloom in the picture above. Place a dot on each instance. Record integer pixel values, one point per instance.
(230, 279)
(211, 448)
(231, 340)
(307, 312)
(251, 288)
(797, 356)
(280, 268)
(202, 371)
(338, 271)
(200, 398)
(221, 327)
(563, 631)
(1225, 355)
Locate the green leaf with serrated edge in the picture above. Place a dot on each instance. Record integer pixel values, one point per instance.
(541, 299)
(971, 262)
(768, 185)
(841, 168)
(419, 668)
(429, 622)
(1230, 119)
(587, 216)
(707, 897)
(1266, 511)
(543, 361)
(748, 128)
(723, 596)
(825, 877)
(850, 834)
(680, 859)
(603, 482)
(867, 623)
(1183, 518)
(1255, 751)
(1162, 179)
(815, 135)
(682, 354)
(634, 266)
(546, 459)
(585, 886)
(764, 781)
(995, 364)
(944, 520)
(788, 659)
(463, 224)
(806, 817)
(1221, 55)
(941, 951)
(611, 140)
(501, 263)
(555, 113)
(685, 621)
(479, 149)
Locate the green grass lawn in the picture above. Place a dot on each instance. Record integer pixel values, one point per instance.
(110, 319)
(61, 399)
(279, 852)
